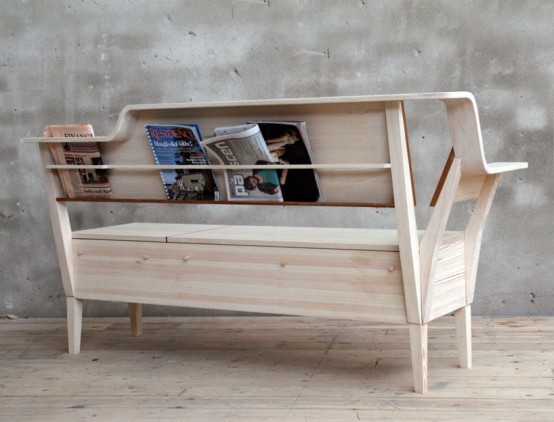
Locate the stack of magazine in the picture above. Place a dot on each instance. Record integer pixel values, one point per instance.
(257, 143)
(91, 183)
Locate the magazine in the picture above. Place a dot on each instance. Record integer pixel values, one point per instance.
(91, 183)
(180, 145)
(244, 145)
(288, 143)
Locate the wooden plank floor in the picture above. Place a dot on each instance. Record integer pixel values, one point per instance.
(272, 369)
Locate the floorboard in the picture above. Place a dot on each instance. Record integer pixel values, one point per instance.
(272, 369)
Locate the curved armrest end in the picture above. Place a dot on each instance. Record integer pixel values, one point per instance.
(496, 168)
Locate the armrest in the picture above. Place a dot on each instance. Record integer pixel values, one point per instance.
(490, 169)
(496, 168)
(465, 131)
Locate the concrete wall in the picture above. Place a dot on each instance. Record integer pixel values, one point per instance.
(74, 61)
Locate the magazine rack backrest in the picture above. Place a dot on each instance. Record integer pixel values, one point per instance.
(348, 138)
(351, 139)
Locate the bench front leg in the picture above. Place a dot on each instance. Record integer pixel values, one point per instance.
(74, 324)
(418, 346)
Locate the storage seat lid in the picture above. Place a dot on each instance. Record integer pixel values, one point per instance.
(300, 237)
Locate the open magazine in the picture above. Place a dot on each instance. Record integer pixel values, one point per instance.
(180, 145)
(288, 143)
(91, 183)
(244, 145)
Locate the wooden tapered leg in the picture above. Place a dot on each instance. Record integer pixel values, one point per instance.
(418, 346)
(74, 324)
(135, 312)
(463, 332)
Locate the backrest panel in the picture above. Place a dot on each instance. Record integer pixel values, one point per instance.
(340, 133)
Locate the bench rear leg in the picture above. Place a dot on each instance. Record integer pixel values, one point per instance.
(463, 332)
(135, 313)
(74, 324)
(418, 346)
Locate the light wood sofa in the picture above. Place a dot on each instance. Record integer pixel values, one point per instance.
(362, 157)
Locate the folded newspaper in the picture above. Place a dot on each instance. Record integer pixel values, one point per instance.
(244, 145)
(79, 183)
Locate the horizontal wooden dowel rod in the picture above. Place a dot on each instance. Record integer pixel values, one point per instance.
(84, 139)
(332, 167)
(271, 203)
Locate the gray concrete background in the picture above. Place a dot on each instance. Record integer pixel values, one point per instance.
(75, 61)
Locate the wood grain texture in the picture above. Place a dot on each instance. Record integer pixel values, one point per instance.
(433, 240)
(59, 218)
(74, 324)
(465, 131)
(469, 187)
(335, 283)
(418, 348)
(405, 211)
(449, 280)
(463, 334)
(142, 232)
(273, 369)
(474, 232)
(296, 237)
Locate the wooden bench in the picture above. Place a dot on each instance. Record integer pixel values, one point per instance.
(361, 155)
